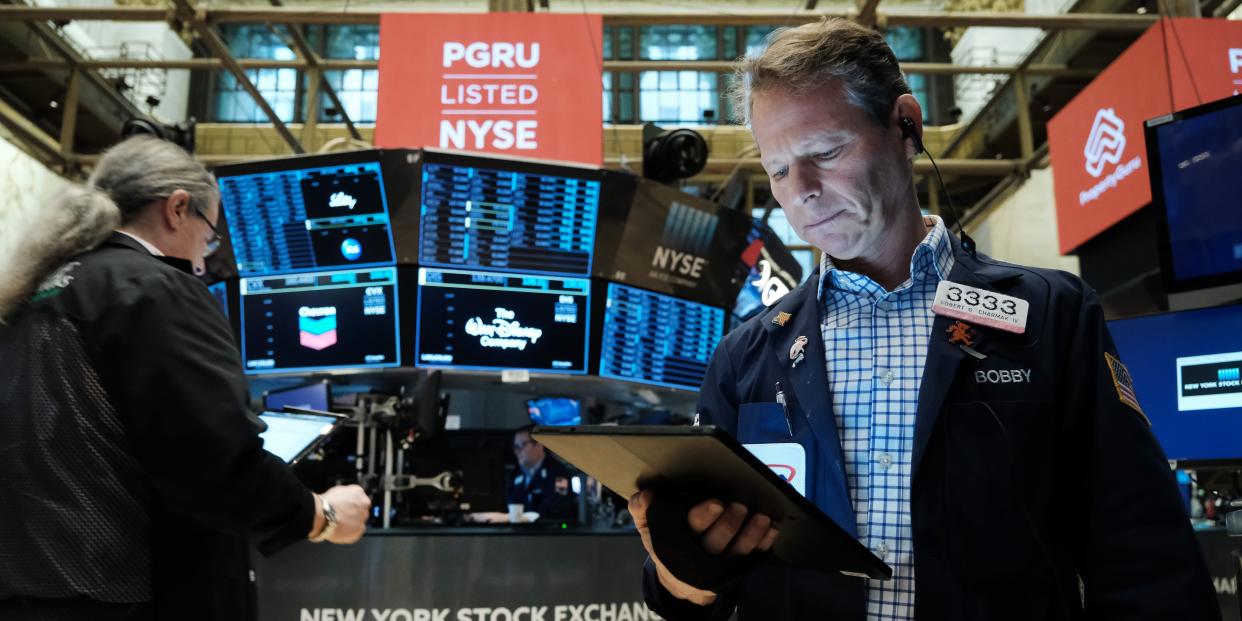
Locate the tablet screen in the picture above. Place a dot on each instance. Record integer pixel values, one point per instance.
(289, 434)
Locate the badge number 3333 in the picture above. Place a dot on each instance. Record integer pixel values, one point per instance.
(980, 306)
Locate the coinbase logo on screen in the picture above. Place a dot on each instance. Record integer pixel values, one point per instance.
(351, 249)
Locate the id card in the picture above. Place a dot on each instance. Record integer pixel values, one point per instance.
(786, 459)
(982, 307)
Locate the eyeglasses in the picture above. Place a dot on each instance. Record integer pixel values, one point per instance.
(214, 243)
(521, 445)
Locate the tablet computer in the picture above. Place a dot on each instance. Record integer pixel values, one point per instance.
(293, 433)
(707, 462)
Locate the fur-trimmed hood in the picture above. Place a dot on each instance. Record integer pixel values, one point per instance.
(37, 239)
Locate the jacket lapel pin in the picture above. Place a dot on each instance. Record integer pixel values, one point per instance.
(781, 319)
(795, 351)
(963, 335)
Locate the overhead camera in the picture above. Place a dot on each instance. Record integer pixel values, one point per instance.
(669, 155)
(181, 134)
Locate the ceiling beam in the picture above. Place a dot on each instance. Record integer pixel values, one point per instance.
(304, 50)
(619, 66)
(208, 36)
(300, 15)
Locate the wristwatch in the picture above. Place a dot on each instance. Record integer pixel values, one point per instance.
(329, 516)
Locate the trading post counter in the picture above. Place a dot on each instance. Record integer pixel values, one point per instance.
(495, 573)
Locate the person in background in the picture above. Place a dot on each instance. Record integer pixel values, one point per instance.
(541, 483)
(133, 478)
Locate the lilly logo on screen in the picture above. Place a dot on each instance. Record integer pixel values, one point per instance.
(341, 199)
(351, 249)
(317, 327)
(1106, 142)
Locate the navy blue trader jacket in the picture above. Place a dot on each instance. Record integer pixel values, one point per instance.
(1020, 490)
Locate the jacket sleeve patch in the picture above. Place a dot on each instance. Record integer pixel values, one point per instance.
(1124, 384)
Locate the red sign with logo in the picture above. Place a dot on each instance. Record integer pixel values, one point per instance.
(512, 83)
(1099, 156)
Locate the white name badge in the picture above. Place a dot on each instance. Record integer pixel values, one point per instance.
(787, 460)
(980, 306)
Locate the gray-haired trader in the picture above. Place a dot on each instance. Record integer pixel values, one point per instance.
(132, 479)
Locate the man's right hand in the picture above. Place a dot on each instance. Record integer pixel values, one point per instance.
(723, 530)
(352, 507)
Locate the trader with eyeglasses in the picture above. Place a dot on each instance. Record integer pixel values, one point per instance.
(134, 479)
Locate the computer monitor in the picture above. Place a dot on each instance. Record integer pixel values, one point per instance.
(220, 291)
(425, 408)
(487, 320)
(305, 214)
(320, 320)
(554, 411)
(313, 396)
(1185, 366)
(657, 339)
(1195, 157)
(505, 214)
(668, 241)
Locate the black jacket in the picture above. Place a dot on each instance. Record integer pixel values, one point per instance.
(540, 494)
(131, 469)
(1019, 490)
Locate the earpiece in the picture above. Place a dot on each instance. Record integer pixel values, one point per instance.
(908, 130)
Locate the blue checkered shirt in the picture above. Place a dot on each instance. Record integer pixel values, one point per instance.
(875, 343)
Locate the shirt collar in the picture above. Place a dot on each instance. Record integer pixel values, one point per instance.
(145, 244)
(933, 257)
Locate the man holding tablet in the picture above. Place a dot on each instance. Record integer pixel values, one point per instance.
(968, 421)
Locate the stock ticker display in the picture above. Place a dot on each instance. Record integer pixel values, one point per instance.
(494, 219)
(487, 320)
(323, 320)
(658, 339)
(308, 219)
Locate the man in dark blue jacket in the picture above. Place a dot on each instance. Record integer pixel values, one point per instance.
(967, 420)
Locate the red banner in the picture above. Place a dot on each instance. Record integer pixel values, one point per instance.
(511, 83)
(1099, 156)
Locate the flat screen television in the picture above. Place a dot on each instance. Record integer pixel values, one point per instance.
(313, 396)
(554, 411)
(1185, 367)
(1195, 162)
(658, 339)
(308, 213)
(507, 214)
(671, 242)
(347, 319)
(497, 321)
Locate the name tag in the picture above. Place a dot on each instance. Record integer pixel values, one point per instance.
(982, 307)
(786, 459)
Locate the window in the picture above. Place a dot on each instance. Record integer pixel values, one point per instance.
(278, 86)
(679, 96)
(619, 97)
(357, 89)
(907, 44)
(757, 39)
(678, 42)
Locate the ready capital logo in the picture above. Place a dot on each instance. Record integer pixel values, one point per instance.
(1106, 143)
